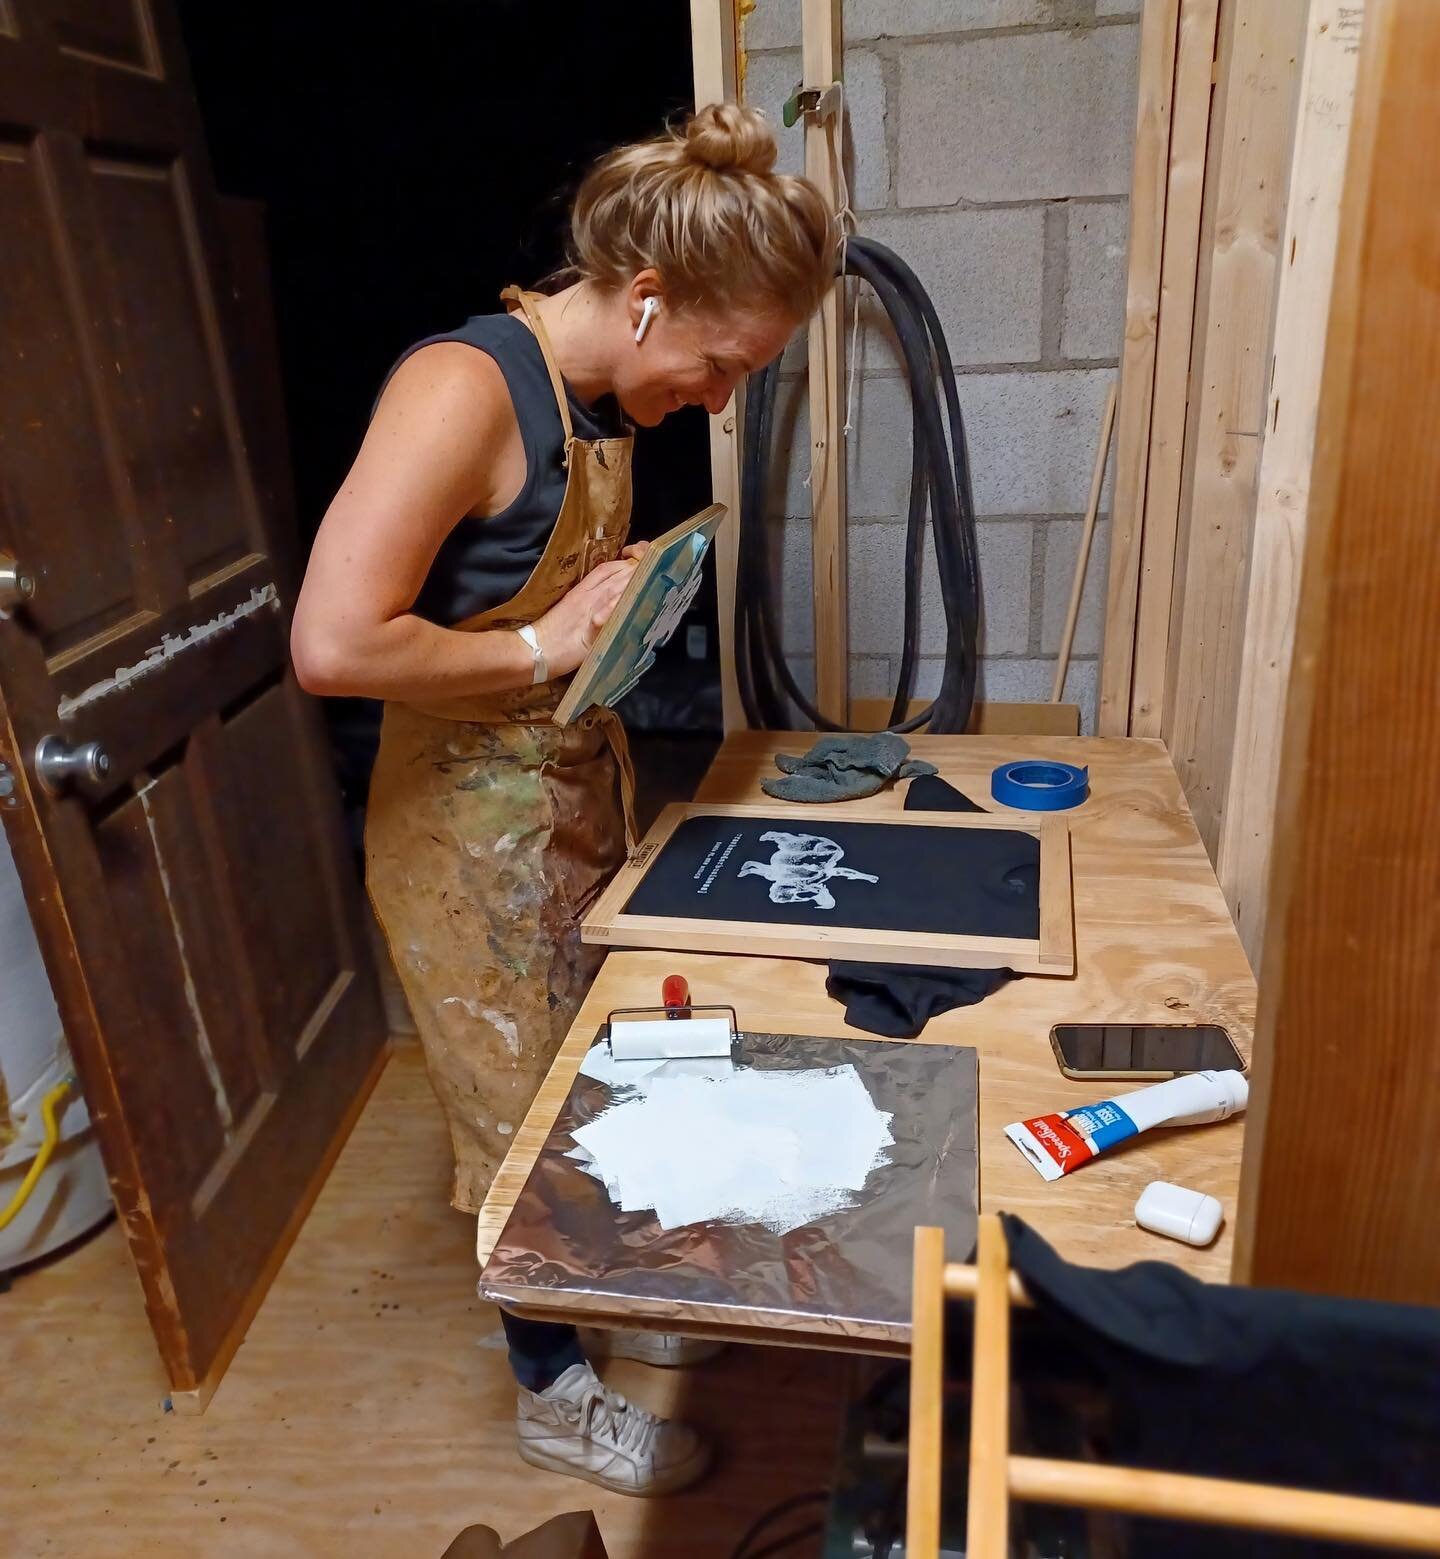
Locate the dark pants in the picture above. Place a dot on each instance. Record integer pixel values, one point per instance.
(540, 1351)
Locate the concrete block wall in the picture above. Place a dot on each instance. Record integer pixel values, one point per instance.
(990, 146)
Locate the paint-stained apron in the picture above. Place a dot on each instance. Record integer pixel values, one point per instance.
(490, 830)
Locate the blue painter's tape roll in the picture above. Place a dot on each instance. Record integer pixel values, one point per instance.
(1040, 787)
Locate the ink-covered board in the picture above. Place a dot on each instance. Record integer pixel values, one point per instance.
(942, 889)
(661, 590)
(778, 1187)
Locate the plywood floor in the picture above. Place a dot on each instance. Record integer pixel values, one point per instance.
(369, 1413)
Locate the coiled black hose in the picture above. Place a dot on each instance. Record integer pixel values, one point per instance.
(939, 486)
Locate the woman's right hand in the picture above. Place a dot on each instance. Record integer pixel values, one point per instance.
(567, 631)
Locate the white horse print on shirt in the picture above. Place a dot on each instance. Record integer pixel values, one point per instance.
(800, 870)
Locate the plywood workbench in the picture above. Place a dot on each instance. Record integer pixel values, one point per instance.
(1154, 943)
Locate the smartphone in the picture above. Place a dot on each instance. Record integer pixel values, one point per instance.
(1143, 1050)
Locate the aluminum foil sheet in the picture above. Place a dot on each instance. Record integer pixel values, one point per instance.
(567, 1252)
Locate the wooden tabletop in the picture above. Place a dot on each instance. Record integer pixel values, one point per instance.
(1154, 943)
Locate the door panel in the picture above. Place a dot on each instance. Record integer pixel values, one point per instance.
(54, 479)
(115, 33)
(167, 344)
(198, 911)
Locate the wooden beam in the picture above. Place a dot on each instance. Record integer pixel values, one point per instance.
(1243, 217)
(1149, 181)
(927, 1395)
(987, 1531)
(715, 48)
(823, 63)
(1082, 556)
(1302, 310)
(1341, 1171)
(1256, 1507)
(1189, 136)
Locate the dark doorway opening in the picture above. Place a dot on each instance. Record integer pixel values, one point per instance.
(412, 162)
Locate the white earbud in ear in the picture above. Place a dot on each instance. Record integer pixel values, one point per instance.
(652, 308)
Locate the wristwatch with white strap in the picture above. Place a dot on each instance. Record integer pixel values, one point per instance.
(541, 670)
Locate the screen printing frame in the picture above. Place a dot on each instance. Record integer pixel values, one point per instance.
(1051, 952)
(620, 648)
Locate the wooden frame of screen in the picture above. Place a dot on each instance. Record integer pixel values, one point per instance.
(1052, 952)
(578, 698)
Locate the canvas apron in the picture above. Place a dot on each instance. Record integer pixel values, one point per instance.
(490, 829)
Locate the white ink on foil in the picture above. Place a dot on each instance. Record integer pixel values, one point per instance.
(778, 1149)
(800, 870)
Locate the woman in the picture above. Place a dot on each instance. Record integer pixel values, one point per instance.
(464, 569)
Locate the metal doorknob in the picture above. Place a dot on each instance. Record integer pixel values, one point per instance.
(58, 764)
(17, 583)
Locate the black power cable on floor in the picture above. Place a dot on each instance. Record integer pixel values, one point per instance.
(939, 486)
(745, 1548)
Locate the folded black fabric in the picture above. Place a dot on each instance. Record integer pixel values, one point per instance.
(930, 793)
(1256, 1384)
(898, 1000)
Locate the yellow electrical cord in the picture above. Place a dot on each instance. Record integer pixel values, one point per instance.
(49, 1113)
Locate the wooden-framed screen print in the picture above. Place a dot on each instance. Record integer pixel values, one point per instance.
(947, 889)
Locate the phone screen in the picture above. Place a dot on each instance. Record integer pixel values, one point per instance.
(1104, 1049)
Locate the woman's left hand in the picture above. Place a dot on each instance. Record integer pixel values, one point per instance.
(636, 550)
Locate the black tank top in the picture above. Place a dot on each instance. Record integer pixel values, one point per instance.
(484, 562)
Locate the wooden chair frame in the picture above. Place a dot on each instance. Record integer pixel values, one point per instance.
(997, 1477)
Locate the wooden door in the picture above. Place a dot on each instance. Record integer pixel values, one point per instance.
(199, 916)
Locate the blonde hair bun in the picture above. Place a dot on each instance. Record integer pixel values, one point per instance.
(725, 136)
(703, 205)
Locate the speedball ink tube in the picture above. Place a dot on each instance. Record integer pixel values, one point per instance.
(1059, 1144)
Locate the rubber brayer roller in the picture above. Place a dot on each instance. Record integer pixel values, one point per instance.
(655, 1034)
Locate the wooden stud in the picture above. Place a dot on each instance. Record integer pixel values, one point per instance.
(1082, 557)
(1327, 90)
(715, 50)
(1341, 1172)
(1149, 181)
(1189, 135)
(987, 1532)
(927, 1396)
(823, 63)
(1244, 213)
(1338, 1518)
(987, 718)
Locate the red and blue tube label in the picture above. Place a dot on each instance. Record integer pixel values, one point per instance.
(1059, 1144)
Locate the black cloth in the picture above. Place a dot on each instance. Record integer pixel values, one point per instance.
(898, 1000)
(1256, 1384)
(868, 875)
(484, 562)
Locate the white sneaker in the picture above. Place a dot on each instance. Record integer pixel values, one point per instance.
(579, 1426)
(665, 1350)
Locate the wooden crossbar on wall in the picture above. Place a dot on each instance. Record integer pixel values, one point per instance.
(823, 62)
(1191, 678)
(1207, 528)
(1302, 310)
(1149, 184)
(715, 50)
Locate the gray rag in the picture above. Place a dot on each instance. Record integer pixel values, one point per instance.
(845, 768)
